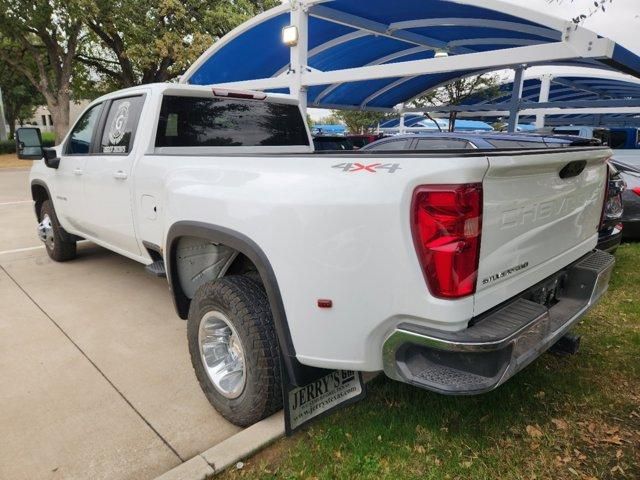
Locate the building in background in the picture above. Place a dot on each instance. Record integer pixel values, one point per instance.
(44, 121)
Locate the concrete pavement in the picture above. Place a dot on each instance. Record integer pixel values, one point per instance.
(95, 376)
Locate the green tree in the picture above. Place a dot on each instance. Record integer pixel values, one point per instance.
(145, 41)
(19, 96)
(40, 38)
(358, 121)
(455, 93)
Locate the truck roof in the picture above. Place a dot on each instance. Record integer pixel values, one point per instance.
(180, 88)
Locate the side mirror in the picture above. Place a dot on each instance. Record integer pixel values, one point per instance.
(51, 158)
(29, 144)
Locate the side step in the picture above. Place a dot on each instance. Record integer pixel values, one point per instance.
(157, 269)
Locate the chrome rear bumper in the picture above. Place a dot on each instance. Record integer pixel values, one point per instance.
(502, 342)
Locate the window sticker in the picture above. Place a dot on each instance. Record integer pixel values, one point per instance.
(118, 126)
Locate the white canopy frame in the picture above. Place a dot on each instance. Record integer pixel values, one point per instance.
(606, 105)
(576, 43)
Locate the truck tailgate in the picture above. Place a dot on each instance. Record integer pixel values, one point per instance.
(541, 212)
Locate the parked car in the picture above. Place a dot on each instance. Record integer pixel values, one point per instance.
(450, 271)
(599, 133)
(327, 143)
(466, 141)
(611, 232)
(629, 169)
(359, 141)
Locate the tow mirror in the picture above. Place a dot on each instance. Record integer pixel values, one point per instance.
(29, 144)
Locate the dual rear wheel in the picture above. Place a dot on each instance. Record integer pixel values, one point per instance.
(234, 349)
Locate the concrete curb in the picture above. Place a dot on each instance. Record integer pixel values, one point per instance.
(230, 451)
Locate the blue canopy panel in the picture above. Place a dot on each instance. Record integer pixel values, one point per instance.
(353, 33)
(565, 88)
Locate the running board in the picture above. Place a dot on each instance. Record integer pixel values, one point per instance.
(157, 269)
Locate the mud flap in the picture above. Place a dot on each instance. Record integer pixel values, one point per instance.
(319, 398)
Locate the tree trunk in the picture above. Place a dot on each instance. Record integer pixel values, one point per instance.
(60, 115)
(452, 121)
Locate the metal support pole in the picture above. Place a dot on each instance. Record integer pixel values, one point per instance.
(545, 89)
(300, 52)
(4, 129)
(516, 97)
(401, 129)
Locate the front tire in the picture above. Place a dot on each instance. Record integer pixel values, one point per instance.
(234, 349)
(61, 247)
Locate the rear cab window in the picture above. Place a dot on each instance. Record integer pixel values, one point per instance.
(204, 122)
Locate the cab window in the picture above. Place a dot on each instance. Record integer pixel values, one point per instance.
(443, 144)
(120, 125)
(82, 134)
(402, 144)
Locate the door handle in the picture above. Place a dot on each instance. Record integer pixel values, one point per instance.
(77, 172)
(120, 175)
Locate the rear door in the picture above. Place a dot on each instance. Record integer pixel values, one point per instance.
(108, 186)
(542, 211)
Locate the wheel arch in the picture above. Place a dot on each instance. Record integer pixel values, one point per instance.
(299, 374)
(39, 193)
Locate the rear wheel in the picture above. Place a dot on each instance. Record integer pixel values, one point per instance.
(234, 349)
(60, 245)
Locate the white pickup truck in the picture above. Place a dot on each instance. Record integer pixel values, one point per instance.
(450, 271)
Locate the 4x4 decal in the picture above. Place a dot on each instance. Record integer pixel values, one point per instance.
(372, 168)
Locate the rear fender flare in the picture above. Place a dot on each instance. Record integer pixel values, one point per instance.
(299, 373)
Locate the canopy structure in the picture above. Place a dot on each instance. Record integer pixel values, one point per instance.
(419, 123)
(376, 54)
(561, 96)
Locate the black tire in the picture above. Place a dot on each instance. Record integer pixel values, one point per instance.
(245, 305)
(64, 245)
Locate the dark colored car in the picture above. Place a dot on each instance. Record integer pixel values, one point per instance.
(488, 141)
(359, 141)
(332, 143)
(611, 231)
(629, 169)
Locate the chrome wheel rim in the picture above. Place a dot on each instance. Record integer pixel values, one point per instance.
(45, 231)
(222, 354)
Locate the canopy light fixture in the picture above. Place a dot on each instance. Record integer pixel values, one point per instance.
(290, 35)
(441, 54)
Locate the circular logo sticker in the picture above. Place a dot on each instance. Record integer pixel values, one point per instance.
(119, 123)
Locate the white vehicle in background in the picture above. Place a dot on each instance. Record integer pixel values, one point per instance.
(599, 133)
(450, 271)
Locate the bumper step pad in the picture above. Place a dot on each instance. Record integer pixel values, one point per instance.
(502, 342)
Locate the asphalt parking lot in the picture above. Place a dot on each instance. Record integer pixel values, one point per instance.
(95, 376)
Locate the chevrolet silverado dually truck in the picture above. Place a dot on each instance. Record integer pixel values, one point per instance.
(450, 271)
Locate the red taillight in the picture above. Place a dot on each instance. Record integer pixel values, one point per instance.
(636, 191)
(447, 225)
